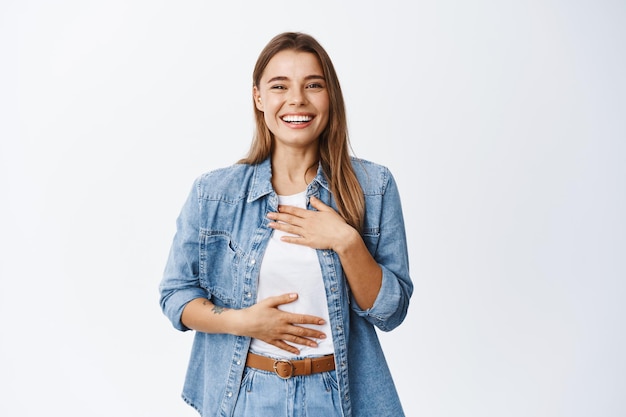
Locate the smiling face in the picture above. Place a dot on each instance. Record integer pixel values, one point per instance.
(293, 97)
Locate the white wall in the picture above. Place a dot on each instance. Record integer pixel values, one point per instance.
(503, 122)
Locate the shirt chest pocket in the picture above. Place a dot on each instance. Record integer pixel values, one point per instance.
(219, 263)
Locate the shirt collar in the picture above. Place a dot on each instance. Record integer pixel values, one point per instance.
(262, 180)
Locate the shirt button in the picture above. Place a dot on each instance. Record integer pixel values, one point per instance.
(238, 362)
(229, 394)
(248, 295)
(252, 262)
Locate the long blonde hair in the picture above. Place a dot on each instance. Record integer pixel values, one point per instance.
(334, 144)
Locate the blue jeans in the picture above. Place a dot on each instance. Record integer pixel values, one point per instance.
(265, 394)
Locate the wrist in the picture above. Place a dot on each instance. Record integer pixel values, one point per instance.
(235, 322)
(346, 240)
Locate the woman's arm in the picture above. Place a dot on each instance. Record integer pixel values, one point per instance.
(363, 273)
(379, 282)
(263, 321)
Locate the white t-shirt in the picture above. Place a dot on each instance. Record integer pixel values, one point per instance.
(288, 268)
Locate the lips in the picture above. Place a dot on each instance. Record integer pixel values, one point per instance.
(296, 118)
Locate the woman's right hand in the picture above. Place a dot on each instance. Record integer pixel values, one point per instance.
(266, 322)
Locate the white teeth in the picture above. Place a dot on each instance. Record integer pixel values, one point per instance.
(296, 119)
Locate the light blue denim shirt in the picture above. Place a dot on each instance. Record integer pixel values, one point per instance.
(217, 250)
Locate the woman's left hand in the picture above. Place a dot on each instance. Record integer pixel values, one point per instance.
(321, 229)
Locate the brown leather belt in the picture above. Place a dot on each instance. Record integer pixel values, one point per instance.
(285, 368)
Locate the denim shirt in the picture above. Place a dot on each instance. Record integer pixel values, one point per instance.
(216, 253)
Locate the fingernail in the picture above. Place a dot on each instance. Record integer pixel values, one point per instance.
(293, 295)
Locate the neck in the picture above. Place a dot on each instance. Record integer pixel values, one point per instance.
(292, 173)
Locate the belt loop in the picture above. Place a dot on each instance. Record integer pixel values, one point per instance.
(307, 366)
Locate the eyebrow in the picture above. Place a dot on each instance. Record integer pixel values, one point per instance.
(283, 78)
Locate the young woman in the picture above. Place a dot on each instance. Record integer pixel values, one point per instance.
(285, 262)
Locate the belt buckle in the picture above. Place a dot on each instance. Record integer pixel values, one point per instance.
(288, 362)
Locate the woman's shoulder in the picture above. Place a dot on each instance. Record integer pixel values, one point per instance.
(226, 172)
(224, 180)
(372, 176)
(366, 165)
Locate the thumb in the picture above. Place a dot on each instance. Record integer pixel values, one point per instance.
(318, 204)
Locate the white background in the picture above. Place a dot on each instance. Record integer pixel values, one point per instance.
(504, 123)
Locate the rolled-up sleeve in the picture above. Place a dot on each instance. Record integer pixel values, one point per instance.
(392, 302)
(180, 283)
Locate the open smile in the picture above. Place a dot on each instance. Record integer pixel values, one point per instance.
(298, 119)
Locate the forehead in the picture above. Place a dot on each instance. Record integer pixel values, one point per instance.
(292, 64)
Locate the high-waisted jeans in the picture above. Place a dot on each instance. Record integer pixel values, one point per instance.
(265, 394)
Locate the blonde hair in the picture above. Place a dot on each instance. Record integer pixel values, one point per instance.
(334, 146)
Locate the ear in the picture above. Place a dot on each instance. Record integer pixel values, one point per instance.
(256, 96)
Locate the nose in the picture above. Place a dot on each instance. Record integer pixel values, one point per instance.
(297, 97)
